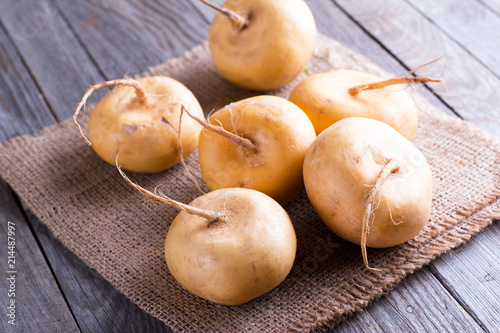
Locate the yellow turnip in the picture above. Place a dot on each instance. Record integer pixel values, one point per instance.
(258, 143)
(141, 118)
(262, 44)
(329, 97)
(228, 246)
(368, 183)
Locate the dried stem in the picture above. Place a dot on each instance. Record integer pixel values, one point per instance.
(390, 167)
(139, 90)
(190, 175)
(239, 22)
(161, 198)
(244, 142)
(405, 80)
(397, 80)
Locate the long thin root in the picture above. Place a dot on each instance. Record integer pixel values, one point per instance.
(391, 167)
(403, 80)
(239, 22)
(181, 153)
(139, 90)
(210, 215)
(390, 82)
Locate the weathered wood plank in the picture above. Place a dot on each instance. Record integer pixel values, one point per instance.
(493, 5)
(97, 305)
(56, 60)
(39, 304)
(472, 274)
(22, 108)
(470, 24)
(412, 307)
(471, 87)
(127, 37)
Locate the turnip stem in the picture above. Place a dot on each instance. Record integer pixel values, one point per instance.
(190, 175)
(390, 167)
(139, 90)
(210, 215)
(398, 80)
(239, 22)
(244, 142)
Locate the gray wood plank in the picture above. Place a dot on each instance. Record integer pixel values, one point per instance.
(472, 275)
(470, 24)
(127, 37)
(412, 307)
(39, 304)
(23, 109)
(60, 67)
(471, 87)
(493, 5)
(97, 305)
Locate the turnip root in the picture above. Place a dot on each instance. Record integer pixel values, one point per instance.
(329, 97)
(259, 143)
(141, 118)
(228, 246)
(369, 184)
(262, 44)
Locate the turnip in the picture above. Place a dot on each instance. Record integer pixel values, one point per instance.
(329, 97)
(262, 44)
(142, 118)
(228, 246)
(258, 143)
(368, 183)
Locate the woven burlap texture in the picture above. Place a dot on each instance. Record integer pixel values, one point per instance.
(116, 231)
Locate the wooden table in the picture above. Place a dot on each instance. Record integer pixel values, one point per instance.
(52, 51)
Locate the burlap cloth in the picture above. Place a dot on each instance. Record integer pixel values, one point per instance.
(87, 206)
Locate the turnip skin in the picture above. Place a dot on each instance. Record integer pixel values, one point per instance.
(343, 164)
(271, 50)
(233, 261)
(326, 99)
(281, 132)
(146, 134)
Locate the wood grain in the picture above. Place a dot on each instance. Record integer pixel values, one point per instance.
(40, 305)
(473, 27)
(22, 107)
(472, 274)
(412, 307)
(334, 23)
(470, 86)
(98, 306)
(149, 33)
(493, 5)
(57, 62)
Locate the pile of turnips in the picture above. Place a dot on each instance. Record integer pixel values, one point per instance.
(369, 184)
